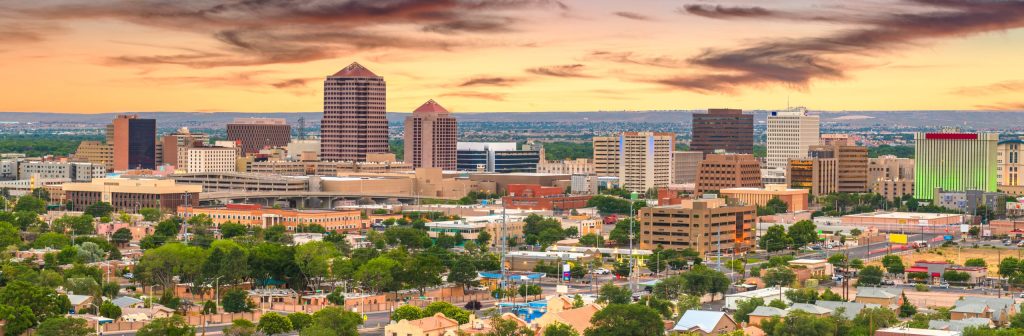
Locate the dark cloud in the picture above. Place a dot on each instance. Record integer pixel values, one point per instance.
(490, 81)
(629, 57)
(571, 70)
(633, 16)
(721, 12)
(254, 32)
(1001, 87)
(476, 95)
(796, 62)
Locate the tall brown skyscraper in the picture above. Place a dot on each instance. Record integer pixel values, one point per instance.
(431, 134)
(727, 129)
(355, 116)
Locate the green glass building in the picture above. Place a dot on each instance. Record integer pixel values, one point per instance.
(954, 162)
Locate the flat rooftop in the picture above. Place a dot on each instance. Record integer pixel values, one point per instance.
(903, 215)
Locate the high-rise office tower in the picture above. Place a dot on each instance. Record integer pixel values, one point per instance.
(954, 162)
(644, 159)
(175, 145)
(431, 137)
(606, 155)
(355, 117)
(851, 163)
(684, 165)
(254, 134)
(790, 134)
(134, 142)
(723, 129)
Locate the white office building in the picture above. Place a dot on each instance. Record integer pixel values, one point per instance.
(210, 160)
(790, 134)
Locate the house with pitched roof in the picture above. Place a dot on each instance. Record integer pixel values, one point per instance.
(763, 313)
(560, 310)
(849, 309)
(885, 297)
(960, 325)
(999, 310)
(437, 325)
(705, 322)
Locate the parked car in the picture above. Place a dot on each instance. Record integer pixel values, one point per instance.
(602, 271)
(887, 282)
(942, 285)
(480, 288)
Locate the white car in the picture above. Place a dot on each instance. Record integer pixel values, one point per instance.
(601, 271)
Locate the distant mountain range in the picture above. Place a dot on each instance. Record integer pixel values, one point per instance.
(980, 120)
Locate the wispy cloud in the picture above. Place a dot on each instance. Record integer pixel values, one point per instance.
(570, 70)
(994, 88)
(291, 83)
(633, 16)
(1002, 107)
(723, 12)
(490, 81)
(797, 62)
(629, 57)
(476, 95)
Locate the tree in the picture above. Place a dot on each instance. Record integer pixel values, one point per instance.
(240, 327)
(8, 235)
(620, 234)
(560, 329)
(31, 204)
(612, 294)
(168, 326)
(907, 309)
(64, 326)
(775, 239)
(591, 239)
(893, 264)
(337, 297)
(779, 276)
(483, 238)
(236, 301)
(151, 214)
(99, 209)
(975, 262)
(870, 276)
(43, 301)
(51, 239)
(837, 260)
(463, 271)
(333, 321)
(802, 233)
(17, 319)
(300, 320)
(828, 295)
(449, 310)
(122, 236)
(799, 323)
(626, 320)
(110, 310)
(577, 301)
(508, 327)
(857, 264)
(272, 323)
(423, 270)
(775, 205)
(407, 312)
(168, 228)
(312, 260)
(377, 274)
(803, 295)
(745, 307)
(162, 264)
(232, 229)
(876, 318)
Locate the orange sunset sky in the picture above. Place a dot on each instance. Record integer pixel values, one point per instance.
(93, 56)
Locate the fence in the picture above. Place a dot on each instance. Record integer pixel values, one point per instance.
(196, 320)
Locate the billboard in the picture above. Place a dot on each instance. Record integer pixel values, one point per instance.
(896, 238)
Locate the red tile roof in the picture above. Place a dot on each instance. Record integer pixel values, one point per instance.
(431, 106)
(354, 70)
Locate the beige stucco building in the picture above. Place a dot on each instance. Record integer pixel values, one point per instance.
(796, 199)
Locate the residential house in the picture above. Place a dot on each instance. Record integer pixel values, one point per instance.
(558, 311)
(704, 322)
(960, 325)
(885, 297)
(850, 309)
(80, 303)
(810, 309)
(901, 331)
(763, 313)
(998, 309)
(127, 302)
(437, 325)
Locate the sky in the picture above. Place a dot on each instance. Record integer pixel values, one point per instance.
(94, 56)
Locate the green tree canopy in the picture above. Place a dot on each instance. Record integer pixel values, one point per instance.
(626, 320)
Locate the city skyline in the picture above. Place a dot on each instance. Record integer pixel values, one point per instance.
(524, 55)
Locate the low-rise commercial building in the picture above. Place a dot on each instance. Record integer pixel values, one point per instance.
(130, 195)
(496, 157)
(889, 221)
(502, 181)
(73, 171)
(471, 227)
(348, 221)
(968, 201)
(244, 182)
(704, 225)
(796, 199)
(536, 197)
